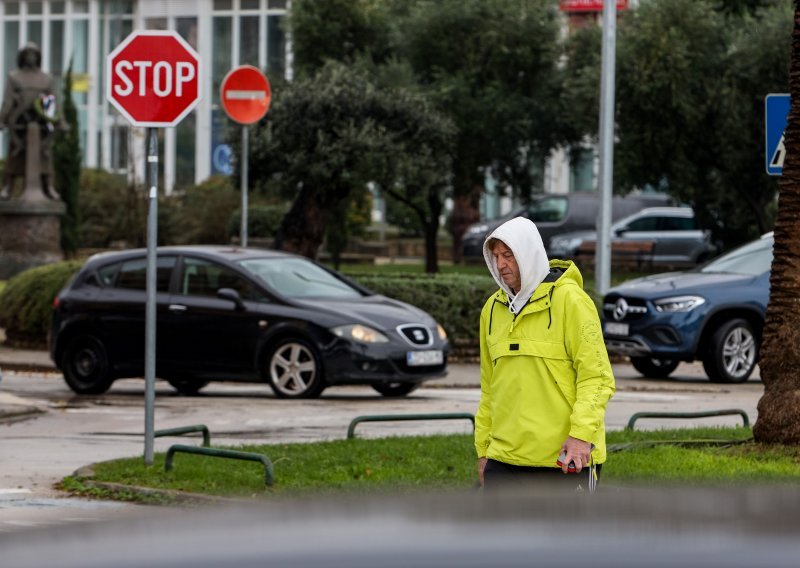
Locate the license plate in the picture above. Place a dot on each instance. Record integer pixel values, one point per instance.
(420, 358)
(616, 328)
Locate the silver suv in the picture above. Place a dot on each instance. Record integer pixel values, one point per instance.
(670, 233)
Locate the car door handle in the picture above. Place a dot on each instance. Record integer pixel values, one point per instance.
(177, 308)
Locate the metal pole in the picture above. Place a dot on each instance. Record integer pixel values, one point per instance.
(245, 159)
(150, 310)
(603, 252)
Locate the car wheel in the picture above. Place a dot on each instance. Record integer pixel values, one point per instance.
(294, 370)
(187, 387)
(85, 365)
(395, 389)
(732, 354)
(655, 368)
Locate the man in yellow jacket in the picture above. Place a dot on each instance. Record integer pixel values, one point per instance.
(545, 375)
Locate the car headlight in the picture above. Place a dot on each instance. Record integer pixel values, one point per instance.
(360, 333)
(679, 303)
(478, 229)
(565, 243)
(442, 332)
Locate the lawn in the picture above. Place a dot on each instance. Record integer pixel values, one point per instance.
(684, 456)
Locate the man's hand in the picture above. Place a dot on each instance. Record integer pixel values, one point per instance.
(481, 467)
(578, 452)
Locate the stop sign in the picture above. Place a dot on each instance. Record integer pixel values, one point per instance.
(153, 78)
(245, 94)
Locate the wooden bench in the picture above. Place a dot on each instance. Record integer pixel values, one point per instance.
(631, 254)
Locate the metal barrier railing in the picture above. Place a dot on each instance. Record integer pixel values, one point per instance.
(404, 417)
(220, 453)
(186, 430)
(706, 414)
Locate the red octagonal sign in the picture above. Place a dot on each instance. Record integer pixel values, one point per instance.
(153, 78)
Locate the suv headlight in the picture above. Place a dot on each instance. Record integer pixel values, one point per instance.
(478, 229)
(566, 243)
(442, 332)
(679, 303)
(360, 333)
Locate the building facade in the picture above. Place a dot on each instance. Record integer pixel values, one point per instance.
(225, 33)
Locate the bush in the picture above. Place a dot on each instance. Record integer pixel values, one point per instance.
(111, 211)
(454, 300)
(26, 302)
(262, 220)
(201, 213)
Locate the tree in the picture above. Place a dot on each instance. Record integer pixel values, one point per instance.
(67, 168)
(779, 407)
(491, 66)
(327, 136)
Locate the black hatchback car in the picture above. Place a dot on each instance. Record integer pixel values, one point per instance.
(235, 314)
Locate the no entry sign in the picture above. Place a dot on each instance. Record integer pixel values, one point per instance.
(153, 78)
(245, 94)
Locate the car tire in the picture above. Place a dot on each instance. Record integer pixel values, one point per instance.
(390, 389)
(655, 368)
(187, 387)
(293, 369)
(733, 352)
(85, 365)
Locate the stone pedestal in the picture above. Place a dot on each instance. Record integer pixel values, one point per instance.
(29, 235)
(30, 228)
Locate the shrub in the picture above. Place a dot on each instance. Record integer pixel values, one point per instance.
(262, 220)
(111, 211)
(26, 302)
(201, 213)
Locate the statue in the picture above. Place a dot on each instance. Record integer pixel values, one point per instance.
(29, 101)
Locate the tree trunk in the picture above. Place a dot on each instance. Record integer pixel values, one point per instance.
(779, 407)
(431, 227)
(302, 230)
(465, 213)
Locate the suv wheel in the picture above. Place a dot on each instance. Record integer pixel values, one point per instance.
(85, 365)
(655, 368)
(732, 354)
(293, 369)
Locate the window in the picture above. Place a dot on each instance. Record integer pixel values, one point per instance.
(548, 209)
(204, 278)
(678, 224)
(132, 274)
(643, 224)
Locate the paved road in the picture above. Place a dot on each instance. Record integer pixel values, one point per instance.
(69, 431)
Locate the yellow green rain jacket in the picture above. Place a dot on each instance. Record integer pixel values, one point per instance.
(545, 373)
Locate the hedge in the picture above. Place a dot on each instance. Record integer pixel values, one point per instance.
(26, 302)
(454, 300)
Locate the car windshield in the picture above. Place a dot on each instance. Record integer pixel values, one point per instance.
(299, 278)
(753, 258)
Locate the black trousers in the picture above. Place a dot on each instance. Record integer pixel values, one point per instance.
(502, 475)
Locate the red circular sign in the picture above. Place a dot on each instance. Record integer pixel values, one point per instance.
(245, 94)
(153, 78)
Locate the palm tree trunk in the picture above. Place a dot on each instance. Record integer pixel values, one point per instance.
(779, 407)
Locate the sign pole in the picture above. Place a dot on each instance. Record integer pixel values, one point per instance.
(602, 271)
(245, 159)
(151, 169)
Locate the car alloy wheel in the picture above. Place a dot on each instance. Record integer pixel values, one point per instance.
(85, 365)
(733, 353)
(294, 370)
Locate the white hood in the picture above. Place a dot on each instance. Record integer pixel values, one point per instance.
(522, 237)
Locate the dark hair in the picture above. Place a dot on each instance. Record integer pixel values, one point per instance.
(29, 47)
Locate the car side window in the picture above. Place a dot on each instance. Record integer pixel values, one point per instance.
(203, 278)
(644, 224)
(550, 209)
(132, 274)
(677, 224)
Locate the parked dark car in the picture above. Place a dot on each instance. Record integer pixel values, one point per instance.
(671, 231)
(239, 314)
(714, 313)
(555, 214)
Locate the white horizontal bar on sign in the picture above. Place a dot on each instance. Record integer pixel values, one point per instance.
(245, 95)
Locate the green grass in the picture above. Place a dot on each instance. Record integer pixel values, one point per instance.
(443, 462)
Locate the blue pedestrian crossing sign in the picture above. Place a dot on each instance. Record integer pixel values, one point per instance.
(776, 111)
